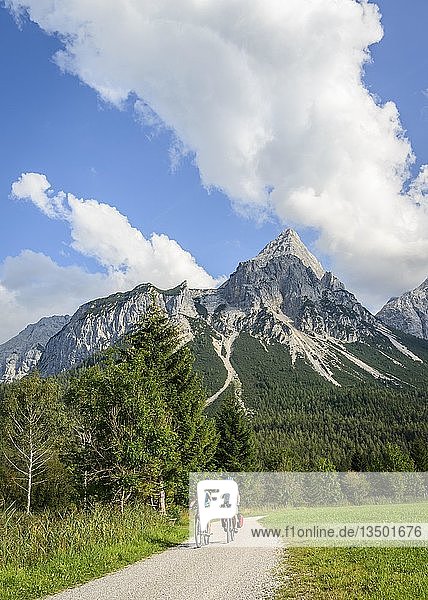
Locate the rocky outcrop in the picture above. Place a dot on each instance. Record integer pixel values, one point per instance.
(409, 312)
(282, 295)
(22, 353)
(293, 283)
(100, 323)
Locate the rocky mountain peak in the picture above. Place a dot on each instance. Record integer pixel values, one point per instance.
(19, 355)
(288, 243)
(409, 312)
(283, 295)
(286, 280)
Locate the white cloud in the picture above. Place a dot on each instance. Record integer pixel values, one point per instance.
(100, 231)
(32, 285)
(37, 187)
(268, 95)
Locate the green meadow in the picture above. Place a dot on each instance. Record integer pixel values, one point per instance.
(44, 553)
(354, 574)
(363, 573)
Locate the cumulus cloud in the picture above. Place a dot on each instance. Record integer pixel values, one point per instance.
(34, 186)
(32, 285)
(269, 97)
(100, 231)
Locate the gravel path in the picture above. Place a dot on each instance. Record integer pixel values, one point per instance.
(216, 572)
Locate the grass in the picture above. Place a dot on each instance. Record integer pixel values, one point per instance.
(45, 553)
(416, 512)
(354, 574)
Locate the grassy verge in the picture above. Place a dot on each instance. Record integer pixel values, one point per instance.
(416, 512)
(45, 553)
(354, 573)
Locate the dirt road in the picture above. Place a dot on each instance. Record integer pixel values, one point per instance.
(219, 571)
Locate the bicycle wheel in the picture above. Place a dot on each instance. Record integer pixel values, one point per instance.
(198, 532)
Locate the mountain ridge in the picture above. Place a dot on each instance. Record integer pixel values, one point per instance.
(408, 312)
(21, 354)
(283, 296)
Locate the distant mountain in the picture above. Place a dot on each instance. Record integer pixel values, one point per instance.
(98, 324)
(282, 296)
(22, 353)
(409, 312)
(320, 375)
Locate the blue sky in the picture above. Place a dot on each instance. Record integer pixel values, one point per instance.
(54, 124)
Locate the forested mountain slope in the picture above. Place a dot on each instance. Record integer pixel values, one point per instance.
(320, 373)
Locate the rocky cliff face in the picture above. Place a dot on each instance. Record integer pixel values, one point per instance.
(283, 295)
(100, 323)
(409, 312)
(287, 279)
(22, 353)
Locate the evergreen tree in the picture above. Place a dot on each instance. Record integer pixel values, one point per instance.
(125, 434)
(394, 458)
(159, 349)
(419, 452)
(323, 486)
(143, 426)
(236, 450)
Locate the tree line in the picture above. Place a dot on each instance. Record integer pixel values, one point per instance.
(301, 420)
(132, 425)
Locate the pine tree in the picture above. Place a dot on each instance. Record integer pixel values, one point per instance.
(143, 424)
(236, 450)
